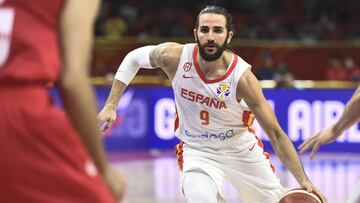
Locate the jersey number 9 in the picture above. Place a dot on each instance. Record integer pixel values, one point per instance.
(204, 117)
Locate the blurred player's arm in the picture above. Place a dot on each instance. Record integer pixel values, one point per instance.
(76, 30)
(350, 116)
(249, 89)
(165, 56)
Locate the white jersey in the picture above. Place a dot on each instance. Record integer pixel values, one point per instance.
(208, 113)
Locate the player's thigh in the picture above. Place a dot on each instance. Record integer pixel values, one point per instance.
(256, 191)
(256, 182)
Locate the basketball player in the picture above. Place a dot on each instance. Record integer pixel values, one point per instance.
(350, 116)
(216, 95)
(47, 156)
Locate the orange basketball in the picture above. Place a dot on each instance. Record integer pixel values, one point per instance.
(299, 196)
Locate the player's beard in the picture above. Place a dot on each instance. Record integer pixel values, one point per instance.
(211, 57)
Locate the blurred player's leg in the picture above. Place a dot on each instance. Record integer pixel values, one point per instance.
(198, 187)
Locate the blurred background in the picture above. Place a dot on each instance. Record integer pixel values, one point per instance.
(306, 54)
(307, 39)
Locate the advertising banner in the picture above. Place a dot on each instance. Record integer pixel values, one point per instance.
(145, 117)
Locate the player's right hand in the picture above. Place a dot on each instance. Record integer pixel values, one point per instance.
(107, 117)
(115, 181)
(308, 186)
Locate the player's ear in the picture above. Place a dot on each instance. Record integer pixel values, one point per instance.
(229, 36)
(194, 32)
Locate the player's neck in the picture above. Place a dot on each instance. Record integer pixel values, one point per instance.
(217, 67)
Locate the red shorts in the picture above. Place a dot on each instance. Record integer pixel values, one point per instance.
(42, 158)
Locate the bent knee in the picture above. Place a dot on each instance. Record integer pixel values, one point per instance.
(199, 188)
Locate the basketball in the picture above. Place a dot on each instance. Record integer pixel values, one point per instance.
(299, 196)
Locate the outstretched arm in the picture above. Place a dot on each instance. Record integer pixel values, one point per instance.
(350, 116)
(250, 90)
(165, 56)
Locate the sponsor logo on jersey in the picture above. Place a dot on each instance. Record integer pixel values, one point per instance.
(212, 136)
(187, 66)
(223, 91)
(199, 98)
(187, 76)
(252, 147)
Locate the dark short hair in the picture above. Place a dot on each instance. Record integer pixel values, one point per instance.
(216, 10)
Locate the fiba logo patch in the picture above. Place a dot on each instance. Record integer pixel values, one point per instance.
(187, 66)
(223, 91)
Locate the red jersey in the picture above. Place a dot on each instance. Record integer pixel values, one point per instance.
(42, 157)
(29, 41)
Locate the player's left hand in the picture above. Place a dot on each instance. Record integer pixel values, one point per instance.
(325, 136)
(311, 188)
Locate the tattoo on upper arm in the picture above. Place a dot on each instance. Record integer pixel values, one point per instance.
(156, 57)
(153, 57)
(166, 56)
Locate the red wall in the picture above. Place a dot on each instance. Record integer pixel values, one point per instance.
(307, 62)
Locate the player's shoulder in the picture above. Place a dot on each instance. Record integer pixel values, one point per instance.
(166, 55)
(169, 51)
(242, 62)
(171, 48)
(244, 72)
